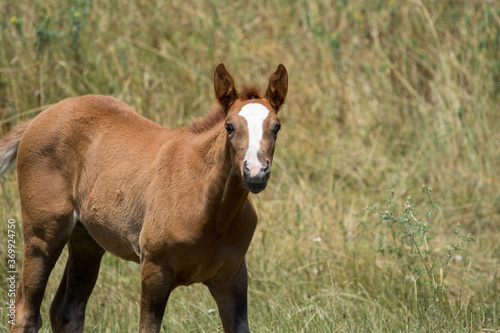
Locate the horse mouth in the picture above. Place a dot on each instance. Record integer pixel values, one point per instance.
(255, 187)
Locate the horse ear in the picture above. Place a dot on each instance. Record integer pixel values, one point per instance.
(224, 87)
(278, 87)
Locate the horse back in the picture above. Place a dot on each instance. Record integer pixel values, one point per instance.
(69, 134)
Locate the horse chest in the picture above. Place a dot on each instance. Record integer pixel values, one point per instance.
(202, 260)
(196, 252)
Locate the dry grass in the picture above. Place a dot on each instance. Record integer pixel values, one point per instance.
(383, 95)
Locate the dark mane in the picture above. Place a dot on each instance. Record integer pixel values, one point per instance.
(250, 92)
(203, 124)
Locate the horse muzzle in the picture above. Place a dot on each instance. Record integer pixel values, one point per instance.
(256, 182)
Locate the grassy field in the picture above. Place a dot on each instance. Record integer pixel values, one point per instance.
(384, 97)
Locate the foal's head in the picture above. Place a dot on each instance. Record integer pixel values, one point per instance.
(252, 124)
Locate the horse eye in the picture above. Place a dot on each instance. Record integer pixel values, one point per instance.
(276, 129)
(229, 128)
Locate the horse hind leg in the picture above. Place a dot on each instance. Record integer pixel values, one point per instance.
(67, 312)
(45, 235)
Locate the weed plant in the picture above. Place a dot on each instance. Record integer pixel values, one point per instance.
(409, 241)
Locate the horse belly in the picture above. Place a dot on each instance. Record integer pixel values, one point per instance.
(111, 207)
(114, 233)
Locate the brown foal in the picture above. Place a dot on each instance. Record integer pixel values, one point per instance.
(97, 176)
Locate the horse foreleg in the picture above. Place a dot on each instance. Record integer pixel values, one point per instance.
(67, 312)
(156, 286)
(230, 293)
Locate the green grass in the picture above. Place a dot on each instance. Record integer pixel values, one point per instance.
(384, 96)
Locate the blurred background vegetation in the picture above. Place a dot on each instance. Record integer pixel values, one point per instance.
(384, 97)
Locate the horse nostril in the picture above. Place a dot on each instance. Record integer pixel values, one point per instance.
(246, 170)
(266, 168)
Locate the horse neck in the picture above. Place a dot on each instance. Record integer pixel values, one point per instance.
(226, 195)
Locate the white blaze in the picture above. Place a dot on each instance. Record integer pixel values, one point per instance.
(254, 114)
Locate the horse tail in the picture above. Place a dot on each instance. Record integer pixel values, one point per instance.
(9, 145)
